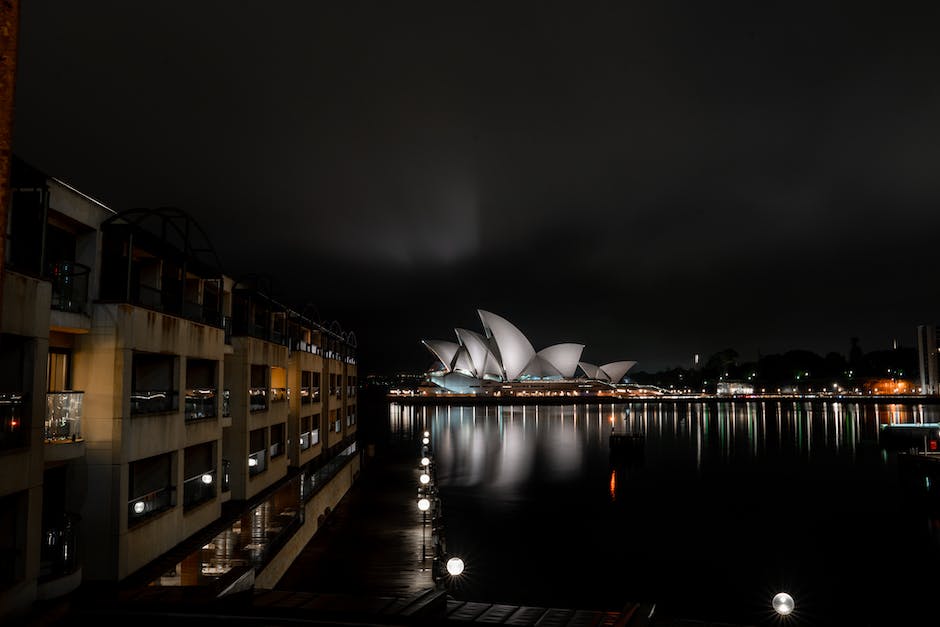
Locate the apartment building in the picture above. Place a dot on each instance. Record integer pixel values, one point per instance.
(141, 389)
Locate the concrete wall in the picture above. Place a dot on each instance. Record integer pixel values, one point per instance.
(328, 496)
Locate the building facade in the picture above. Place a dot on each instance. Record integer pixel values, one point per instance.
(141, 389)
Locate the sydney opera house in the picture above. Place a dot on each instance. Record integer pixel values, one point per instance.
(503, 359)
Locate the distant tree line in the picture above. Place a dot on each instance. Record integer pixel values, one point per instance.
(794, 369)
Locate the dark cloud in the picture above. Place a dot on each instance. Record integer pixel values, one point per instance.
(653, 180)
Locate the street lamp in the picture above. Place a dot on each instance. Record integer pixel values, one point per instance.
(783, 603)
(424, 505)
(454, 566)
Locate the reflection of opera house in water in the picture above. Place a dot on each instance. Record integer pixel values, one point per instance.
(503, 361)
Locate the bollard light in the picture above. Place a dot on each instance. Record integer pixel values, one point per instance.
(424, 505)
(783, 603)
(425, 461)
(425, 478)
(454, 566)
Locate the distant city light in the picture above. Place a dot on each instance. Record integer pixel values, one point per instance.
(207, 478)
(427, 434)
(139, 507)
(424, 505)
(425, 461)
(424, 478)
(425, 441)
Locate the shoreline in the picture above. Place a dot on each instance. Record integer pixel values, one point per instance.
(469, 399)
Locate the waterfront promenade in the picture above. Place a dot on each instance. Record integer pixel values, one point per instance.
(363, 567)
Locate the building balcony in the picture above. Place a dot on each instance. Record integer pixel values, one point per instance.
(153, 401)
(13, 433)
(69, 286)
(59, 551)
(257, 462)
(142, 507)
(309, 438)
(63, 416)
(257, 399)
(279, 395)
(199, 489)
(200, 404)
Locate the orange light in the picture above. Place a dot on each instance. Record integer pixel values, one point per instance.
(613, 485)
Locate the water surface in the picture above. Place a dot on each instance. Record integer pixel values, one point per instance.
(729, 503)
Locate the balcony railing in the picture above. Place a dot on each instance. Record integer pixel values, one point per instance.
(58, 555)
(305, 440)
(69, 286)
(305, 396)
(257, 462)
(310, 483)
(199, 488)
(142, 507)
(13, 432)
(338, 425)
(226, 403)
(200, 403)
(257, 399)
(276, 448)
(279, 395)
(63, 416)
(153, 401)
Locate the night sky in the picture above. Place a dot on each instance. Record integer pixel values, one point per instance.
(652, 179)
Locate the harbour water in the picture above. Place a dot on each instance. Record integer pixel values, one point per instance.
(727, 504)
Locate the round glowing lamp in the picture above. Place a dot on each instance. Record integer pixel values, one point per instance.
(783, 603)
(427, 434)
(425, 441)
(252, 461)
(139, 507)
(425, 461)
(424, 505)
(425, 478)
(207, 478)
(454, 566)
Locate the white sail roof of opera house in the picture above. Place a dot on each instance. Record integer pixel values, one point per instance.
(504, 353)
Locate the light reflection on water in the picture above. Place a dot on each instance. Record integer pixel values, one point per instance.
(728, 501)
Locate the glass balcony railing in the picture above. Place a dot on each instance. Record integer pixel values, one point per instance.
(63, 416)
(142, 507)
(199, 488)
(257, 462)
(200, 403)
(311, 482)
(279, 395)
(58, 555)
(305, 396)
(257, 399)
(69, 286)
(12, 412)
(305, 440)
(153, 401)
(226, 403)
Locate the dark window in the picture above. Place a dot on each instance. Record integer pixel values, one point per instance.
(12, 538)
(257, 452)
(258, 388)
(200, 389)
(200, 480)
(277, 440)
(150, 487)
(153, 383)
(14, 409)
